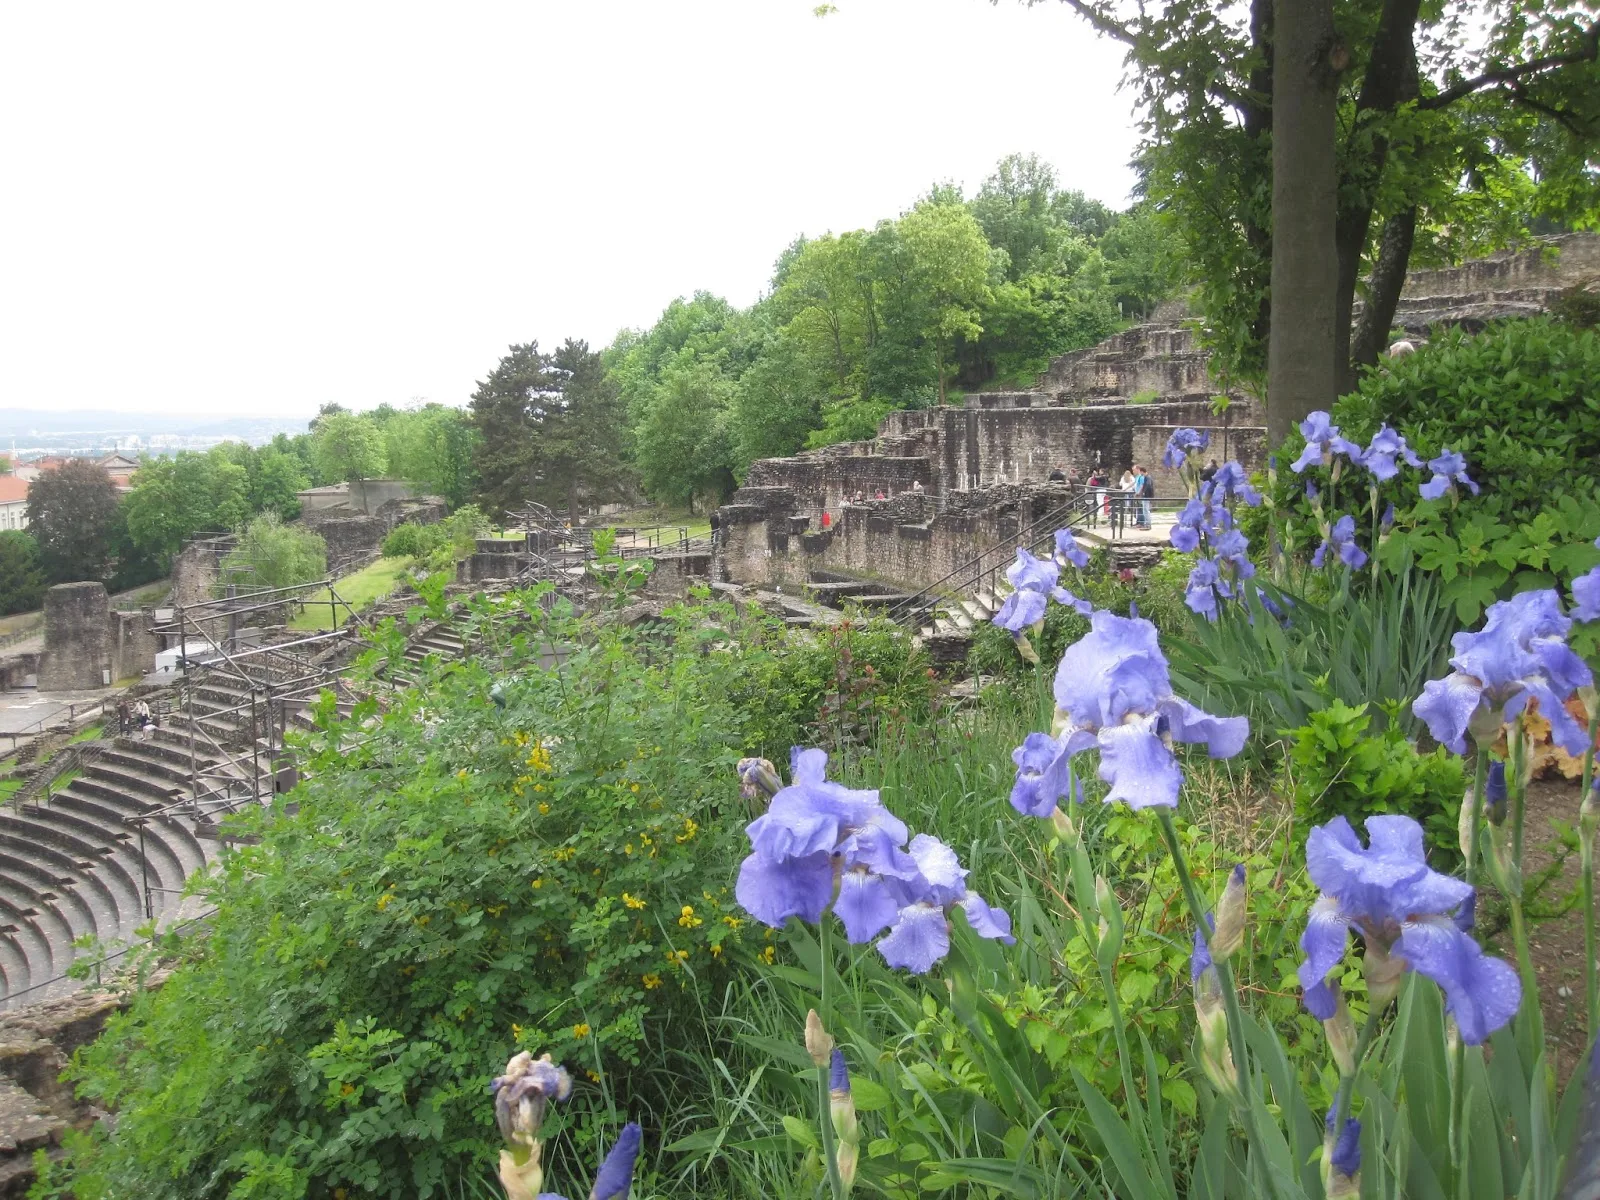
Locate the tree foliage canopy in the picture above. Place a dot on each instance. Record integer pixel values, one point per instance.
(72, 514)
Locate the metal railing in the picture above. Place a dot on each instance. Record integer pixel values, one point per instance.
(994, 558)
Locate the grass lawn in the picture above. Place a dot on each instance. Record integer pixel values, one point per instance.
(371, 583)
(8, 787)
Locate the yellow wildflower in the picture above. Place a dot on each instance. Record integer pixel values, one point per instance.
(687, 918)
(632, 901)
(538, 883)
(689, 830)
(716, 950)
(733, 922)
(677, 956)
(768, 954)
(628, 849)
(461, 774)
(593, 1075)
(566, 853)
(635, 787)
(580, 1030)
(516, 1031)
(652, 980)
(544, 809)
(383, 900)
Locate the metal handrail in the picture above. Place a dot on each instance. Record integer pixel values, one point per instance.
(1079, 505)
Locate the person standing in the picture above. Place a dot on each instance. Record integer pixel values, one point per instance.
(1125, 495)
(827, 521)
(1147, 493)
(1057, 475)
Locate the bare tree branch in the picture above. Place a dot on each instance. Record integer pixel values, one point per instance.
(1512, 75)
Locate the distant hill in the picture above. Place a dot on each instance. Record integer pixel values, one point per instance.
(32, 423)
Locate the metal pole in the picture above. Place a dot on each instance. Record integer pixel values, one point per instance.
(144, 875)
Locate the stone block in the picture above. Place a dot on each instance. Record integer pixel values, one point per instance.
(76, 650)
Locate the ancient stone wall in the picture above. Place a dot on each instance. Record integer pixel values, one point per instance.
(76, 653)
(132, 646)
(676, 572)
(903, 541)
(194, 575)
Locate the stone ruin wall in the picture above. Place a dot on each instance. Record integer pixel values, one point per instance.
(952, 450)
(902, 541)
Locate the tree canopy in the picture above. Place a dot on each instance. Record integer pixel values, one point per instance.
(1458, 128)
(72, 515)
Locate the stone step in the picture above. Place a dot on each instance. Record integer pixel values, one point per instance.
(108, 881)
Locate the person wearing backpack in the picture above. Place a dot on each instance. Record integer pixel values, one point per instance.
(1145, 489)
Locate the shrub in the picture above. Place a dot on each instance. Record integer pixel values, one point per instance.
(277, 555)
(412, 541)
(21, 574)
(1522, 402)
(550, 871)
(1339, 766)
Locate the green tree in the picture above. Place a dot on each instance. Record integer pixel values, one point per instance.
(1486, 132)
(550, 429)
(173, 499)
(278, 555)
(72, 510)
(950, 274)
(433, 446)
(21, 574)
(1023, 211)
(347, 448)
(683, 445)
(276, 481)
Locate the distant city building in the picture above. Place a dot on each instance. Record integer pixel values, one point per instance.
(120, 467)
(13, 502)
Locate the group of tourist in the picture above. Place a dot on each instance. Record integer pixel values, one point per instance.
(135, 718)
(1131, 496)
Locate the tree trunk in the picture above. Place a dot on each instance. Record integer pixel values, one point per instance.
(1390, 81)
(1302, 372)
(1383, 292)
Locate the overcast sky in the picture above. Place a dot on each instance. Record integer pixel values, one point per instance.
(251, 209)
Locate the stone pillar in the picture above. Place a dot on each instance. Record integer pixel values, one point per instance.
(76, 653)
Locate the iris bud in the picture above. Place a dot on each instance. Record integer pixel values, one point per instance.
(1216, 1058)
(1340, 1030)
(758, 777)
(1065, 829)
(1341, 1160)
(842, 1112)
(819, 1043)
(1231, 911)
(1494, 793)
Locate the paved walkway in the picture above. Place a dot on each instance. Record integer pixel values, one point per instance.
(24, 714)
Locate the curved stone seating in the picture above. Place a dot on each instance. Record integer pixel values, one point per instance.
(71, 865)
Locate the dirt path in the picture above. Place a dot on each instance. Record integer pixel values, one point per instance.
(1556, 941)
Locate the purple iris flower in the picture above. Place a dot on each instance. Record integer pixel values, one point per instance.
(817, 834)
(1386, 522)
(1232, 549)
(1181, 444)
(1231, 481)
(1346, 1156)
(1387, 892)
(1387, 445)
(1044, 776)
(1322, 443)
(1067, 548)
(920, 934)
(1201, 592)
(1342, 538)
(1520, 655)
(1449, 468)
(1586, 596)
(1312, 494)
(1114, 693)
(1021, 610)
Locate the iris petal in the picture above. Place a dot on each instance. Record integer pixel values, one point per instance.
(772, 891)
(920, 938)
(866, 906)
(1482, 993)
(1138, 766)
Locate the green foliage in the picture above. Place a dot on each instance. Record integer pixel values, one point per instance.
(175, 498)
(549, 429)
(412, 541)
(847, 685)
(863, 322)
(347, 447)
(22, 580)
(549, 872)
(271, 554)
(1340, 766)
(1522, 402)
(433, 446)
(72, 515)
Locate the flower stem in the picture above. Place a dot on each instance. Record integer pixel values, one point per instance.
(1230, 995)
(1341, 1103)
(830, 1159)
(1588, 818)
(1458, 1054)
(1474, 846)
